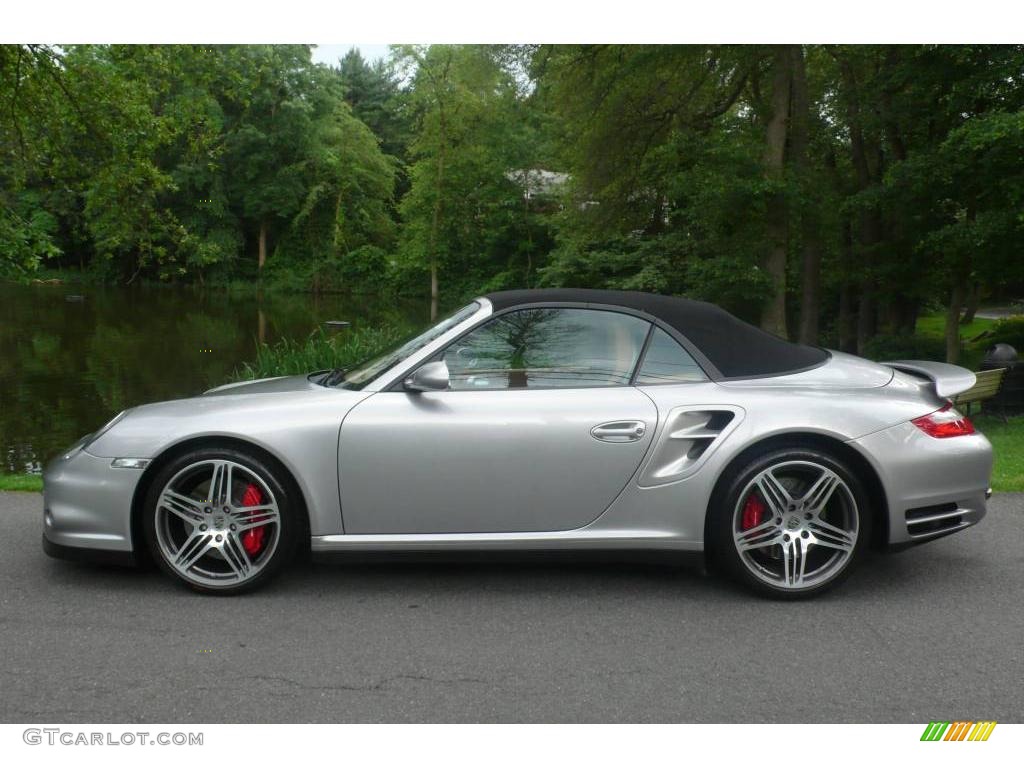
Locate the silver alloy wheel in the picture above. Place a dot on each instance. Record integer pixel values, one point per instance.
(809, 530)
(202, 523)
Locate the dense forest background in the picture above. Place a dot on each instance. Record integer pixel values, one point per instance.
(832, 194)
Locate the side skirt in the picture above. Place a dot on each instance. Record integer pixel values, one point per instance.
(575, 546)
(553, 557)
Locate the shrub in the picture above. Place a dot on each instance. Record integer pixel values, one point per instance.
(905, 347)
(367, 269)
(27, 236)
(1009, 331)
(319, 351)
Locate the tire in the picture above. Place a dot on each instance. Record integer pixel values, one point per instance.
(221, 520)
(790, 524)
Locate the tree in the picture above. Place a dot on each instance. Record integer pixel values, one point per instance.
(348, 185)
(269, 123)
(373, 92)
(166, 161)
(829, 192)
(661, 158)
(773, 314)
(461, 196)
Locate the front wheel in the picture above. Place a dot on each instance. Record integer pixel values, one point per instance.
(219, 520)
(790, 524)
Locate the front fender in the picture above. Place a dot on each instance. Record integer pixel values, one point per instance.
(300, 429)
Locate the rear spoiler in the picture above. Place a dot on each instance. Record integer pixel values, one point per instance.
(948, 379)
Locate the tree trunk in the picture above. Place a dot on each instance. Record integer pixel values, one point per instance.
(902, 311)
(263, 244)
(847, 335)
(433, 291)
(810, 267)
(956, 303)
(773, 314)
(529, 235)
(903, 316)
(847, 329)
(810, 298)
(973, 302)
(870, 223)
(866, 319)
(435, 223)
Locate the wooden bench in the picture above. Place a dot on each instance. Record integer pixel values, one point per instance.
(986, 387)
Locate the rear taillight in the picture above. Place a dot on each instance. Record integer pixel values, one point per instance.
(945, 422)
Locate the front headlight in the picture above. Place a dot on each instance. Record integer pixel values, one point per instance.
(103, 430)
(78, 445)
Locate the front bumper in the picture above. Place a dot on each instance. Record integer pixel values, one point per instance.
(87, 508)
(934, 487)
(83, 555)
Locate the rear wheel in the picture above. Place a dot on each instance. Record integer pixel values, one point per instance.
(220, 520)
(791, 524)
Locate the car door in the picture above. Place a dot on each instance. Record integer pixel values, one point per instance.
(539, 430)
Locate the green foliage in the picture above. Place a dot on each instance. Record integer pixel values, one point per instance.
(367, 269)
(321, 351)
(467, 214)
(171, 161)
(669, 191)
(25, 483)
(905, 347)
(344, 207)
(1009, 331)
(928, 342)
(373, 92)
(483, 167)
(28, 235)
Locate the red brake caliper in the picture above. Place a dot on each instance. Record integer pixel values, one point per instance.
(753, 512)
(252, 539)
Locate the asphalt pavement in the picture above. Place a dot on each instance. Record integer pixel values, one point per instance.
(934, 633)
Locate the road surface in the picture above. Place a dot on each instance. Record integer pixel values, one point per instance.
(934, 633)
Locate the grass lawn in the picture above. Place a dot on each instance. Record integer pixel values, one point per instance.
(1008, 443)
(21, 483)
(935, 326)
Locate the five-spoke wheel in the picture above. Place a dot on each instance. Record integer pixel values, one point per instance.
(790, 523)
(218, 520)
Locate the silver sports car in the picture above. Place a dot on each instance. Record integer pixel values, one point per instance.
(544, 420)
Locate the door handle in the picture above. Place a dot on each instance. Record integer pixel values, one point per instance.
(619, 431)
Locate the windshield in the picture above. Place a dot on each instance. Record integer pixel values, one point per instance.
(361, 375)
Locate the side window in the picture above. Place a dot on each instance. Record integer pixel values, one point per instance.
(548, 347)
(666, 362)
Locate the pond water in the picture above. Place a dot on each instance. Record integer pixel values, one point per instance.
(71, 357)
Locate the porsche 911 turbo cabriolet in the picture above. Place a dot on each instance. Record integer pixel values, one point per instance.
(539, 420)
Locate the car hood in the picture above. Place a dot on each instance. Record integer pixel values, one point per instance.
(264, 412)
(258, 386)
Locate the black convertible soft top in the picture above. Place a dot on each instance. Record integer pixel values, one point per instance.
(734, 347)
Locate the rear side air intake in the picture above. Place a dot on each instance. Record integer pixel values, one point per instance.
(939, 518)
(690, 435)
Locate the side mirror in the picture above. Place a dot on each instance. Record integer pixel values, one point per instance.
(432, 377)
